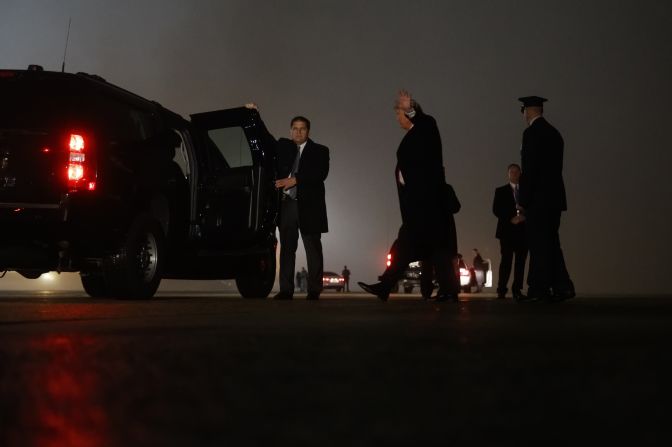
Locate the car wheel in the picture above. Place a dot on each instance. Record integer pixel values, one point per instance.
(258, 281)
(408, 289)
(94, 284)
(135, 271)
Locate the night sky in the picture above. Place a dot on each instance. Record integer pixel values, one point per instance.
(606, 67)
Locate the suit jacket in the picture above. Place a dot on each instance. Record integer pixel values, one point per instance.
(420, 160)
(504, 207)
(310, 177)
(541, 185)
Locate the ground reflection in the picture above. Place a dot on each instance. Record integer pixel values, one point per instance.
(60, 398)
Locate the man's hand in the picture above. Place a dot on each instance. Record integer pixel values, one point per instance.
(404, 101)
(518, 219)
(286, 183)
(251, 105)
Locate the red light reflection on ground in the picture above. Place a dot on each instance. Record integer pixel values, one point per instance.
(61, 403)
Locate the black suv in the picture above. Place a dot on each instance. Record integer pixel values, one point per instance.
(98, 180)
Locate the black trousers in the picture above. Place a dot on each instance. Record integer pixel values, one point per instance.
(511, 248)
(547, 263)
(289, 241)
(420, 245)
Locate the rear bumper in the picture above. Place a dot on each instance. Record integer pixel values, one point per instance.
(51, 236)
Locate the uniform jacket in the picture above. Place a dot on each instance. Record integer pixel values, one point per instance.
(541, 184)
(504, 207)
(310, 177)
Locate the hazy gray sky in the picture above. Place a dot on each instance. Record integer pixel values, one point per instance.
(606, 67)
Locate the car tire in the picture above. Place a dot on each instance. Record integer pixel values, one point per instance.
(258, 282)
(408, 289)
(94, 284)
(135, 271)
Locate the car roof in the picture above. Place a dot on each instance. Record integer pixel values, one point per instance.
(84, 79)
(93, 82)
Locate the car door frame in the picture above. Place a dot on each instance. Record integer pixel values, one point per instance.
(219, 180)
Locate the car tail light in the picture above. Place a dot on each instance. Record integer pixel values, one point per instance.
(389, 259)
(79, 167)
(464, 272)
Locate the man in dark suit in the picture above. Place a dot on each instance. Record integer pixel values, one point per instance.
(542, 199)
(303, 166)
(425, 233)
(511, 235)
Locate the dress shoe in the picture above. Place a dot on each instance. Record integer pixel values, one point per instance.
(313, 296)
(518, 295)
(283, 296)
(562, 295)
(379, 289)
(537, 295)
(446, 297)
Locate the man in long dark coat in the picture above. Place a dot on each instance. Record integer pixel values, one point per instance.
(427, 231)
(543, 199)
(303, 166)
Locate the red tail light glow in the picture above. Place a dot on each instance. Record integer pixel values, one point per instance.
(79, 171)
(75, 172)
(76, 143)
(389, 259)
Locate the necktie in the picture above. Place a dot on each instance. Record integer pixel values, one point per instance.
(291, 192)
(516, 194)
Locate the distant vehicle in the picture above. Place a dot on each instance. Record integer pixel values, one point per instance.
(471, 278)
(332, 280)
(412, 278)
(97, 180)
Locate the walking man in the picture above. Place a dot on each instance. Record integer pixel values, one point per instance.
(543, 199)
(511, 234)
(421, 186)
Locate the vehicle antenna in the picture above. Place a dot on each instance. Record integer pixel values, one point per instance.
(67, 38)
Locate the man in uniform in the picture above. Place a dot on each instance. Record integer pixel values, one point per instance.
(421, 186)
(511, 234)
(542, 199)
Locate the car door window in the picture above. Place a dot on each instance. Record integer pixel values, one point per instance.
(233, 145)
(181, 157)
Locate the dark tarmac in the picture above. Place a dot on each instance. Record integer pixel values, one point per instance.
(213, 370)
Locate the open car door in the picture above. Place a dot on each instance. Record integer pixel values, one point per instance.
(235, 187)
